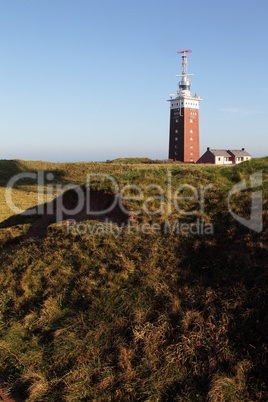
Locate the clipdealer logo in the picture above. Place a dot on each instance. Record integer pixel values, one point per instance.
(255, 222)
(168, 199)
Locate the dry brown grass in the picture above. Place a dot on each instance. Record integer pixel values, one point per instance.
(140, 317)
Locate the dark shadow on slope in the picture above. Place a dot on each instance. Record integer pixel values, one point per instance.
(230, 270)
(6, 396)
(76, 204)
(8, 169)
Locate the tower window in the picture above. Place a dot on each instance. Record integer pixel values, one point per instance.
(191, 120)
(177, 120)
(192, 160)
(191, 138)
(191, 146)
(191, 131)
(176, 153)
(192, 153)
(176, 131)
(176, 138)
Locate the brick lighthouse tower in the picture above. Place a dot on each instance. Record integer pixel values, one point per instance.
(184, 119)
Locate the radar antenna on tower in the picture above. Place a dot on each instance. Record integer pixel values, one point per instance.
(185, 83)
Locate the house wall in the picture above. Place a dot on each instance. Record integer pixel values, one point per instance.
(233, 158)
(207, 157)
(244, 158)
(237, 159)
(219, 160)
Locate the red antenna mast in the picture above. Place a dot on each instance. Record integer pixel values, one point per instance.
(184, 51)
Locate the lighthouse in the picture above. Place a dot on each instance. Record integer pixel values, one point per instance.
(184, 119)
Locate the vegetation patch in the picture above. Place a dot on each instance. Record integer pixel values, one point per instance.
(140, 317)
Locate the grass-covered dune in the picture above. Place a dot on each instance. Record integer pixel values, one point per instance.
(137, 314)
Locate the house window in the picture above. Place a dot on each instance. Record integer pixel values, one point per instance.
(191, 159)
(219, 159)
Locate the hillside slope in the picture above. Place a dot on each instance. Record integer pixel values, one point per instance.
(105, 314)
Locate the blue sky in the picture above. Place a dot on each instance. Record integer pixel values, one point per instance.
(83, 80)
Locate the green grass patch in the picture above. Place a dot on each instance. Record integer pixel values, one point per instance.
(141, 317)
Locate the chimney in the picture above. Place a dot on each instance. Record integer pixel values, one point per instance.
(208, 149)
(243, 149)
